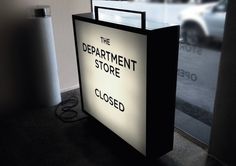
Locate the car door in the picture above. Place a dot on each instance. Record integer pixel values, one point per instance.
(215, 20)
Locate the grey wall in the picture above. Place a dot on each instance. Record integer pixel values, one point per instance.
(223, 136)
(10, 59)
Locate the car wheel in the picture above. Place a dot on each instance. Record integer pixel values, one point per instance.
(193, 34)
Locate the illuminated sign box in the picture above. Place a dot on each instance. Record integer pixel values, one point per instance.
(128, 80)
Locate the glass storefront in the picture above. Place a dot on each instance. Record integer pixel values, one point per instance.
(202, 28)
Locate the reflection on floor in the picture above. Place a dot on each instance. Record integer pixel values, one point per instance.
(35, 137)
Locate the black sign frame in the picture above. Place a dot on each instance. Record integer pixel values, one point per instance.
(162, 61)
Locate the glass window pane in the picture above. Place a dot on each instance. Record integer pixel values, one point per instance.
(202, 28)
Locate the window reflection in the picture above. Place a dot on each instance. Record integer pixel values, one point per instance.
(204, 23)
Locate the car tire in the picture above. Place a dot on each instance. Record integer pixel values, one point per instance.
(193, 34)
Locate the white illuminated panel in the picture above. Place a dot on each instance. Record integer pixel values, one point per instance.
(113, 77)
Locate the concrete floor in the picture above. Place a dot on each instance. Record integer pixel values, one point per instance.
(186, 153)
(37, 137)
